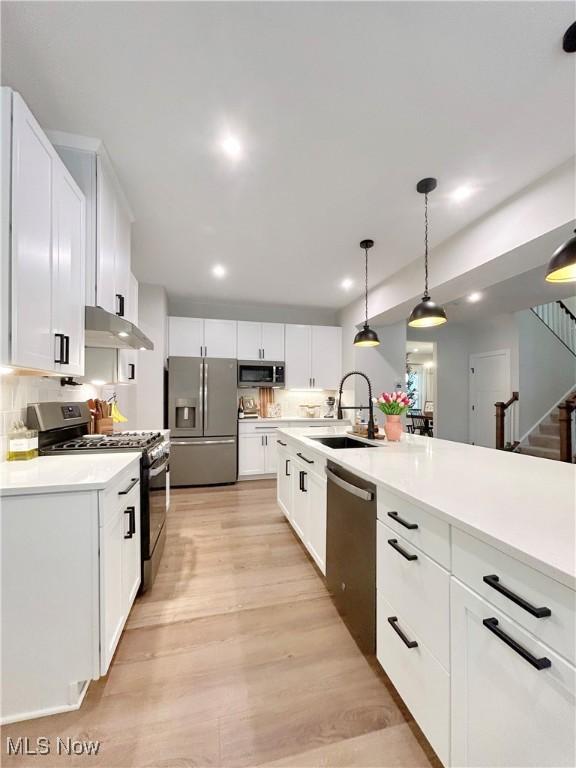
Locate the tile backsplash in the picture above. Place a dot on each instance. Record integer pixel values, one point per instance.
(290, 400)
(17, 391)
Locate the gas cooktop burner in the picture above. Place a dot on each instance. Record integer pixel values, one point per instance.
(126, 440)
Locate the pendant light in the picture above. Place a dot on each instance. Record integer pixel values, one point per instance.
(366, 337)
(562, 265)
(427, 313)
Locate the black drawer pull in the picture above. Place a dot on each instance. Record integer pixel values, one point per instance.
(120, 311)
(302, 475)
(394, 544)
(492, 625)
(281, 443)
(127, 490)
(131, 512)
(494, 582)
(286, 468)
(393, 621)
(405, 523)
(61, 358)
(308, 461)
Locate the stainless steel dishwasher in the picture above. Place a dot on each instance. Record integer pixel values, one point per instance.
(351, 553)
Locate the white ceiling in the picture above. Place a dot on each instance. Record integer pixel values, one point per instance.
(341, 107)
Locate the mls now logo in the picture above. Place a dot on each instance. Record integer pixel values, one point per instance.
(23, 745)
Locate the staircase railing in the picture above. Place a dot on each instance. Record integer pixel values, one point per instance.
(501, 409)
(560, 320)
(565, 411)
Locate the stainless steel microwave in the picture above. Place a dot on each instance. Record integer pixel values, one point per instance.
(260, 373)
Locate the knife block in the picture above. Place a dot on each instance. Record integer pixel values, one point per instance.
(104, 426)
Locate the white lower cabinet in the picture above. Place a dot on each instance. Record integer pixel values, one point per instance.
(284, 475)
(315, 538)
(512, 696)
(251, 457)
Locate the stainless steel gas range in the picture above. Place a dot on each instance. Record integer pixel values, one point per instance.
(63, 429)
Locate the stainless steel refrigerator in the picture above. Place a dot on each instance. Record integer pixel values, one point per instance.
(203, 420)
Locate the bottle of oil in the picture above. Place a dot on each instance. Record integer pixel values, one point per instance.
(22, 443)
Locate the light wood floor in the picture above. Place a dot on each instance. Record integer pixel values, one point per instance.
(236, 657)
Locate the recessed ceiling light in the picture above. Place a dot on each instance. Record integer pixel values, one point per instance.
(231, 147)
(347, 283)
(462, 193)
(142, 349)
(474, 297)
(123, 334)
(219, 271)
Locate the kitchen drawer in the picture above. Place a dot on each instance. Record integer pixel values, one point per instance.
(120, 493)
(418, 588)
(315, 463)
(473, 561)
(417, 676)
(426, 532)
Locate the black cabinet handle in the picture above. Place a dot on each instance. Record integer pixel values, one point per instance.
(66, 350)
(60, 358)
(394, 544)
(308, 461)
(286, 468)
(131, 371)
(302, 487)
(127, 490)
(405, 523)
(492, 625)
(120, 311)
(393, 621)
(131, 512)
(281, 443)
(494, 582)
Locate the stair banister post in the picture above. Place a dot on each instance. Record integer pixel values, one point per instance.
(500, 409)
(565, 422)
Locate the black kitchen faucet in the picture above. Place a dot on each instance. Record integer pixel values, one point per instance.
(371, 429)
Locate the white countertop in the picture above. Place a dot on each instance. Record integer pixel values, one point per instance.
(281, 419)
(522, 505)
(51, 474)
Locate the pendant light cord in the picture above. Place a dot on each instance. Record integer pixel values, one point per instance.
(426, 244)
(366, 287)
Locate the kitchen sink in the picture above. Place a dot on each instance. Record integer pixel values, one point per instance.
(342, 442)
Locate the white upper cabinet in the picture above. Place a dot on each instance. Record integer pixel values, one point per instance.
(326, 357)
(46, 253)
(313, 356)
(260, 341)
(122, 274)
(106, 240)
(195, 337)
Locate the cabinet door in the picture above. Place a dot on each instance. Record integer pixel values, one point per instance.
(316, 528)
(297, 357)
(284, 475)
(112, 603)
(249, 340)
(251, 455)
(505, 712)
(68, 269)
(326, 356)
(220, 338)
(106, 212)
(127, 366)
(185, 336)
(300, 498)
(131, 551)
(273, 341)
(33, 343)
(122, 259)
(132, 300)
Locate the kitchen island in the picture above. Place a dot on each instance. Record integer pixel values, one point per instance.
(475, 579)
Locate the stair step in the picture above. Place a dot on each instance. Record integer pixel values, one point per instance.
(546, 428)
(553, 415)
(542, 453)
(545, 441)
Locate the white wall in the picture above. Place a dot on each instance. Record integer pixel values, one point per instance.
(547, 370)
(272, 313)
(152, 319)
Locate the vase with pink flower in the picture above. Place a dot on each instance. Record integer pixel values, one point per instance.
(393, 405)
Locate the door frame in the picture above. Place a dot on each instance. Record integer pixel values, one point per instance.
(475, 356)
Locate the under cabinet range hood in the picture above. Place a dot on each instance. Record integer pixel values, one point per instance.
(103, 329)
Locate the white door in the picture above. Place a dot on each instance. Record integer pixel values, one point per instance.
(505, 712)
(132, 303)
(112, 604)
(249, 340)
(326, 356)
(68, 269)
(185, 337)
(489, 384)
(131, 551)
(273, 341)
(297, 357)
(270, 458)
(106, 240)
(316, 528)
(284, 473)
(33, 343)
(220, 338)
(251, 456)
(300, 498)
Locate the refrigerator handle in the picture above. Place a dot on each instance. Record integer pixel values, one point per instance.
(205, 396)
(201, 396)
